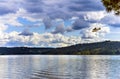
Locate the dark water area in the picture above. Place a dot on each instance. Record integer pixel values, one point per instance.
(59, 67)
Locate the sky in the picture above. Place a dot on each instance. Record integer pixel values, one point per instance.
(55, 23)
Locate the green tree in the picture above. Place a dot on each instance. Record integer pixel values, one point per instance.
(112, 5)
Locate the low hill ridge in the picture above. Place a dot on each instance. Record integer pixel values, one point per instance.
(98, 48)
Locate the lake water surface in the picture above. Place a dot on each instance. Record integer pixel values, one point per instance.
(59, 67)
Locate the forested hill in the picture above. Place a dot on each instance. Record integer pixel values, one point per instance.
(99, 48)
(23, 51)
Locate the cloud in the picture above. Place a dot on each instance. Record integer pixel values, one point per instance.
(6, 9)
(58, 17)
(52, 40)
(79, 24)
(26, 32)
(69, 29)
(42, 40)
(88, 33)
(3, 36)
(47, 22)
(47, 11)
(80, 5)
(60, 28)
(102, 17)
(111, 20)
(53, 9)
(10, 19)
(95, 15)
(33, 6)
(13, 19)
(2, 27)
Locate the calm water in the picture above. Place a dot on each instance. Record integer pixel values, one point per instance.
(59, 67)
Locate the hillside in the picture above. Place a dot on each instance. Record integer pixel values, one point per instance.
(22, 51)
(99, 48)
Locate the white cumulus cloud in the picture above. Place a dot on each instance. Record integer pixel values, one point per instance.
(41, 40)
(95, 15)
(100, 32)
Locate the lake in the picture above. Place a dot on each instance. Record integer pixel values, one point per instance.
(59, 67)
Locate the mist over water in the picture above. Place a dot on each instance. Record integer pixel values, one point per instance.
(59, 67)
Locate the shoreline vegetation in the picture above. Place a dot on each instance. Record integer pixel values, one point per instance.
(98, 48)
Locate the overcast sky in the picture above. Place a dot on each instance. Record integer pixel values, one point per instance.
(55, 23)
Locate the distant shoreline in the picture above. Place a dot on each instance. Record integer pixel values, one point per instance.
(98, 48)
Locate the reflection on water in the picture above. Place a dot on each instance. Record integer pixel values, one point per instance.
(112, 5)
(59, 67)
